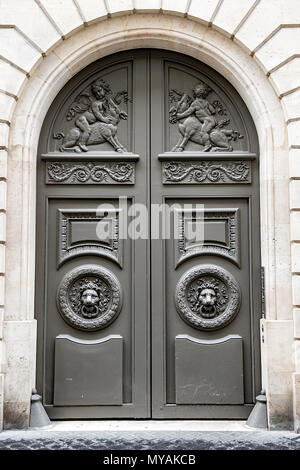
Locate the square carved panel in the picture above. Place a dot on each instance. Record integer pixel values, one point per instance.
(220, 232)
(85, 232)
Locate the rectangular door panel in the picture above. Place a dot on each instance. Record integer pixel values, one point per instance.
(78, 274)
(209, 372)
(88, 372)
(192, 332)
(213, 263)
(209, 271)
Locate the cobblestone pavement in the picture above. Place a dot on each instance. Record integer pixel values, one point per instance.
(145, 440)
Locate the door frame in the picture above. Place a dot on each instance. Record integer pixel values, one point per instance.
(150, 99)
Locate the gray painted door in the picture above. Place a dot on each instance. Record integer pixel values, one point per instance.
(164, 326)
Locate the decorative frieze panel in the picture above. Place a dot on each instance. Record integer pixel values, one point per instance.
(221, 234)
(206, 172)
(85, 232)
(207, 297)
(89, 297)
(81, 172)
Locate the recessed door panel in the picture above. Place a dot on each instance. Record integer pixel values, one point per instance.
(211, 277)
(88, 372)
(110, 312)
(209, 372)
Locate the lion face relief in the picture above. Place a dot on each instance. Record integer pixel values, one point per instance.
(207, 302)
(207, 297)
(89, 303)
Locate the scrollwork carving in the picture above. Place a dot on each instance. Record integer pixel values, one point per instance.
(90, 173)
(89, 298)
(206, 172)
(207, 297)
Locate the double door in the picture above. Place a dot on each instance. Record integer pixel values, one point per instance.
(148, 271)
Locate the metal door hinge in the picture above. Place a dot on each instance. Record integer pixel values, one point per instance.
(262, 284)
(262, 333)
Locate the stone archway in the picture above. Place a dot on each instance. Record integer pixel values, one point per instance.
(71, 56)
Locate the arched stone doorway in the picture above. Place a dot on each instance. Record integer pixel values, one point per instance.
(46, 79)
(171, 319)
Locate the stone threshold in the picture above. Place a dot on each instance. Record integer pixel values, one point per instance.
(148, 425)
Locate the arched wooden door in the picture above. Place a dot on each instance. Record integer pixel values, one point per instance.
(154, 324)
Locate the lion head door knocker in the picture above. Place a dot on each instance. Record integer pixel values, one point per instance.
(207, 297)
(89, 297)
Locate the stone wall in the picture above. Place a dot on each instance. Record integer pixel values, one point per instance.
(256, 46)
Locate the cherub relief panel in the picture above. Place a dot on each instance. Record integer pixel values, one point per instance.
(96, 113)
(201, 121)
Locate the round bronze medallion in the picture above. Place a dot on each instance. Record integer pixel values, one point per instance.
(89, 297)
(207, 297)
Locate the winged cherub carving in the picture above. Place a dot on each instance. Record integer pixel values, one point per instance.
(96, 117)
(197, 120)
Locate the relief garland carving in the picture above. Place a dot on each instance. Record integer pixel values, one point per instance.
(207, 297)
(89, 298)
(197, 120)
(96, 115)
(76, 173)
(211, 172)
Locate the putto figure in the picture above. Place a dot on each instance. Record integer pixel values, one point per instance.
(197, 120)
(96, 117)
